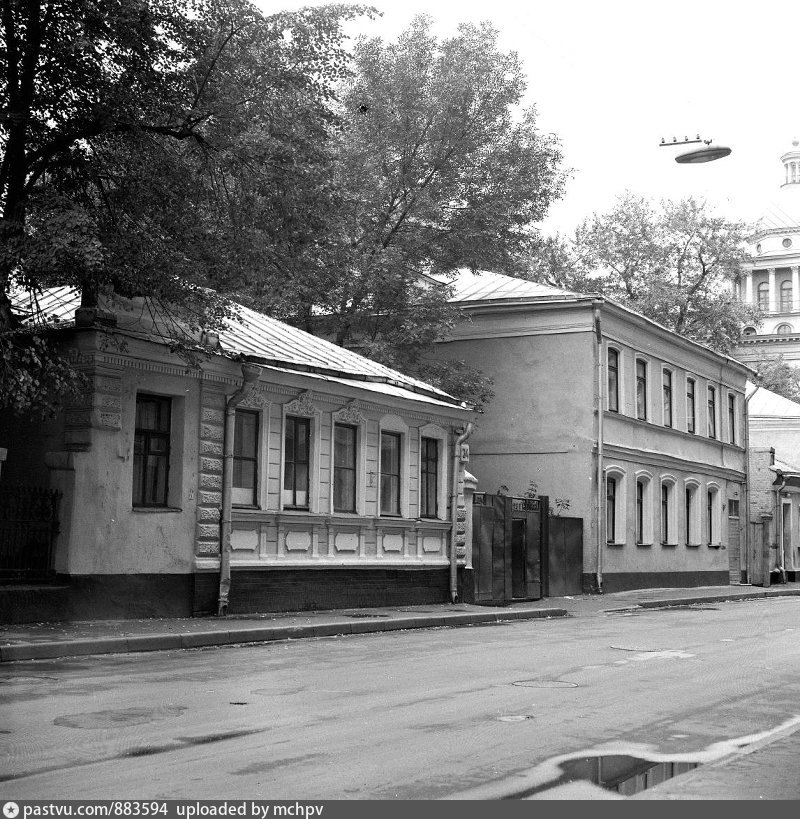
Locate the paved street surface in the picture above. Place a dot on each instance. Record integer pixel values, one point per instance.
(417, 714)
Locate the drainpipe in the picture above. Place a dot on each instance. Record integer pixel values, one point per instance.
(250, 375)
(747, 564)
(598, 330)
(454, 511)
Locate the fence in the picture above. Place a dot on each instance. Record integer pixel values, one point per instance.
(28, 529)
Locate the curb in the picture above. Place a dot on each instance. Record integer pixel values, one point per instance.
(719, 598)
(201, 639)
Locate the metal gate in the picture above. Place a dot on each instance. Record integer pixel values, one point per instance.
(565, 557)
(28, 528)
(507, 553)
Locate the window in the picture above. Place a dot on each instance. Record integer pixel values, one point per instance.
(691, 411)
(712, 525)
(640, 512)
(245, 458)
(692, 522)
(712, 412)
(613, 380)
(296, 468)
(732, 418)
(641, 389)
(783, 330)
(667, 395)
(763, 295)
(749, 331)
(611, 510)
(429, 478)
(345, 440)
(151, 450)
(786, 296)
(390, 473)
(733, 508)
(690, 503)
(665, 513)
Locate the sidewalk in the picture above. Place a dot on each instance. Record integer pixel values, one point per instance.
(34, 641)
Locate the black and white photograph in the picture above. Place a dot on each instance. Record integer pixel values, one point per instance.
(399, 402)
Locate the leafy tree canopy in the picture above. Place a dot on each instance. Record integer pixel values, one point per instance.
(777, 375)
(159, 148)
(436, 167)
(673, 262)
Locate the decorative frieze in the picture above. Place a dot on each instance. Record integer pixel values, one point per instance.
(302, 405)
(350, 414)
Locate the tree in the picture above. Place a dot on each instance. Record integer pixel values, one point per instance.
(775, 374)
(159, 148)
(674, 263)
(436, 168)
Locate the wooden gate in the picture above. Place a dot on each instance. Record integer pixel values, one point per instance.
(565, 557)
(507, 553)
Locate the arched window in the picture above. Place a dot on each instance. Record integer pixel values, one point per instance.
(615, 505)
(786, 295)
(749, 331)
(763, 295)
(712, 515)
(613, 380)
(644, 509)
(668, 516)
(692, 517)
(783, 329)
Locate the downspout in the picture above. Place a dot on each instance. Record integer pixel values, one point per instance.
(250, 376)
(748, 567)
(599, 476)
(454, 511)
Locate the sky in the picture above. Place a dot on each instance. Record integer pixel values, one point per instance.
(611, 78)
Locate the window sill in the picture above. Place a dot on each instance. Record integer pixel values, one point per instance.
(716, 545)
(614, 545)
(693, 545)
(644, 545)
(669, 545)
(150, 509)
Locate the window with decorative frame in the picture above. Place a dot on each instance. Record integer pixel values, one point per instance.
(615, 506)
(297, 462)
(391, 471)
(641, 389)
(666, 390)
(613, 380)
(244, 488)
(691, 405)
(712, 412)
(345, 468)
(691, 521)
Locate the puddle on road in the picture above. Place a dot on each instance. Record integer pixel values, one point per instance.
(545, 684)
(625, 775)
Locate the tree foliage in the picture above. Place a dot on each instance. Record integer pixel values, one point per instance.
(436, 167)
(161, 148)
(776, 374)
(673, 262)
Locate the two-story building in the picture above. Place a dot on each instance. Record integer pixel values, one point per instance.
(283, 473)
(641, 430)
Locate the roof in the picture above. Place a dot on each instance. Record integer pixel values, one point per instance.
(489, 286)
(267, 341)
(765, 403)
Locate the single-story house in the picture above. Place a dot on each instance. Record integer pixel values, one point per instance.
(282, 473)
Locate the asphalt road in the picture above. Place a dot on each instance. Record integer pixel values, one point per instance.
(418, 714)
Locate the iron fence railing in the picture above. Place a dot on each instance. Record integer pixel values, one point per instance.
(28, 529)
